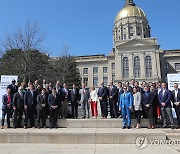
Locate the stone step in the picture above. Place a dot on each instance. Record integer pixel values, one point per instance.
(95, 123)
(79, 135)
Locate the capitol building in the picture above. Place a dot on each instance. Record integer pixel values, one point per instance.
(135, 54)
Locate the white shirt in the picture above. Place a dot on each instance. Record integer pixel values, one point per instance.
(93, 95)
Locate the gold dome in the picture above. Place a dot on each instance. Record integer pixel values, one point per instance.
(130, 11)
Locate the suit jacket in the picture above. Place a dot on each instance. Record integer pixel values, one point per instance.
(61, 94)
(66, 95)
(120, 91)
(52, 101)
(148, 99)
(174, 98)
(14, 88)
(30, 100)
(84, 96)
(41, 100)
(74, 96)
(18, 100)
(126, 101)
(103, 92)
(113, 92)
(130, 89)
(5, 101)
(166, 98)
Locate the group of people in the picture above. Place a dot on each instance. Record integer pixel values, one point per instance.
(150, 100)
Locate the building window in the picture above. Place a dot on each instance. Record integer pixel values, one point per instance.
(132, 34)
(119, 37)
(113, 77)
(105, 79)
(125, 36)
(95, 81)
(166, 66)
(85, 81)
(148, 63)
(125, 67)
(95, 70)
(113, 66)
(136, 67)
(85, 71)
(124, 28)
(177, 66)
(105, 69)
(131, 27)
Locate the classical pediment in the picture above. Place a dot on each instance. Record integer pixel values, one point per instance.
(137, 43)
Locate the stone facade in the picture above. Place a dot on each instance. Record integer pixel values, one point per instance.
(136, 55)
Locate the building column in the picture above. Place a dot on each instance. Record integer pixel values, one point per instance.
(142, 66)
(131, 66)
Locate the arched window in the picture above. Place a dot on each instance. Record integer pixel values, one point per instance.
(148, 63)
(136, 67)
(125, 67)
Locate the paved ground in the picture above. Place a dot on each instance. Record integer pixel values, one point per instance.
(83, 149)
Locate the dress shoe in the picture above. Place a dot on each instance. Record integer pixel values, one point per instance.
(172, 127)
(9, 127)
(129, 127)
(25, 127)
(153, 127)
(149, 127)
(164, 126)
(124, 127)
(2, 127)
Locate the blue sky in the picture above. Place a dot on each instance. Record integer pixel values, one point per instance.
(85, 26)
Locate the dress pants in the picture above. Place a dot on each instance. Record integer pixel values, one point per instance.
(5, 112)
(150, 114)
(167, 111)
(126, 114)
(53, 117)
(41, 114)
(17, 118)
(74, 108)
(113, 108)
(104, 110)
(85, 108)
(177, 110)
(29, 114)
(138, 116)
(64, 108)
(94, 109)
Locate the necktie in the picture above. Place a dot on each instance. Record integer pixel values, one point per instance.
(9, 99)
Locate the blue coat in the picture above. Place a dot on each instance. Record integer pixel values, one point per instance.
(5, 101)
(166, 98)
(126, 101)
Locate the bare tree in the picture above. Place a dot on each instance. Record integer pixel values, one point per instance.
(25, 39)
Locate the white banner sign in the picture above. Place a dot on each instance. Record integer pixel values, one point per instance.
(173, 78)
(5, 81)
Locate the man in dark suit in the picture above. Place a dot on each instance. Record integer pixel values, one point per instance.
(13, 87)
(74, 95)
(148, 102)
(53, 102)
(120, 91)
(103, 94)
(42, 102)
(164, 97)
(129, 88)
(113, 99)
(65, 99)
(30, 102)
(18, 106)
(176, 102)
(6, 108)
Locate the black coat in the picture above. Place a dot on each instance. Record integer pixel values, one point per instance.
(103, 92)
(173, 97)
(113, 93)
(30, 100)
(148, 100)
(14, 88)
(41, 100)
(18, 100)
(52, 101)
(74, 96)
